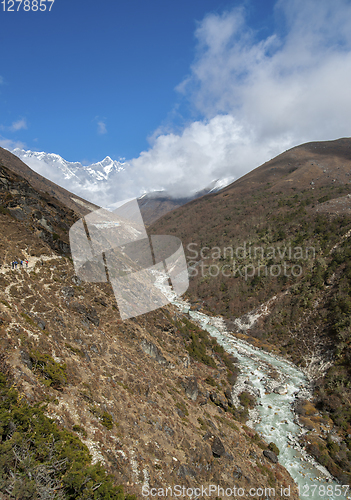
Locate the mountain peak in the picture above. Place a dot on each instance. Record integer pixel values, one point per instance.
(53, 166)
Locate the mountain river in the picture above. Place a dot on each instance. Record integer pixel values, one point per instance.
(273, 416)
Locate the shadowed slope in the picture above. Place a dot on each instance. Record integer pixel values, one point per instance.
(40, 183)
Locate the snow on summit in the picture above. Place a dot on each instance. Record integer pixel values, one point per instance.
(99, 170)
(107, 181)
(91, 182)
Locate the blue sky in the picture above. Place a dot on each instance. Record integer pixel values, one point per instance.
(91, 79)
(187, 91)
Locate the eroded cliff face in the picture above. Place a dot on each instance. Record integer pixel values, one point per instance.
(136, 392)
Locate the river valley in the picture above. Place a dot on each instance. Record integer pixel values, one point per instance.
(273, 417)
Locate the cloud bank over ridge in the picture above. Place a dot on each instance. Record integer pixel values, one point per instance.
(258, 97)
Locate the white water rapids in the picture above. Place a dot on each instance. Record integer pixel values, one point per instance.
(273, 417)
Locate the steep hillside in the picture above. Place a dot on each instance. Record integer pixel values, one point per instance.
(43, 185)
(154, 205)
(273, 205)
(271, 254)
(148, 398)
(158, 203)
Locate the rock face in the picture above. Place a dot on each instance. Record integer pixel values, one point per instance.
(217, 448)
(185, 471)
(191, 387)
(228, 395)
(39, 212)
(26, 359)
(153, 351)
(271, 456)
(219, 401)
(88, 314)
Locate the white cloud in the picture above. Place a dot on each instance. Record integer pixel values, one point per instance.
(10, 145)
(297, 84)
(257, 97)
(101, 128)
(206, 150)
(1, 80)
(18, 125)
(15, 126)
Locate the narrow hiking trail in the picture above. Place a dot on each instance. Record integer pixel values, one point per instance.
(32, 261)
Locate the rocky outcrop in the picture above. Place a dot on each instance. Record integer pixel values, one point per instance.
(271, 456)
(217, 448)
(237, 472)
(88, 313)
(184, 471)
(67, 291)
(218, 400)
(153, 351)
(191, 388)
(37, 211)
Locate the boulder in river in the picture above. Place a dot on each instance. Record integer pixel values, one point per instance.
(281, 389)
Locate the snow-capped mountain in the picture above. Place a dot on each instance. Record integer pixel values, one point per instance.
(107, 182)
(96, 182)
(99, 171)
